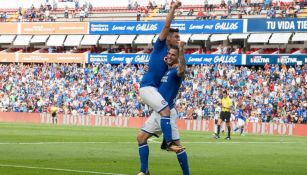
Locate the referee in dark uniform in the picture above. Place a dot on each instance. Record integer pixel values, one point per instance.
(225, 115)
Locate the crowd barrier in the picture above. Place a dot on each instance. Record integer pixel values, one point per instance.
(154, 27)
(137, 122)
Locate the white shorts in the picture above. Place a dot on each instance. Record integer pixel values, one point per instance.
(216, 117)
(152, 125)
(241, 122)
(153, 98)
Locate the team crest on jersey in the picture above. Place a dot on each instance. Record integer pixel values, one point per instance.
(164, 102)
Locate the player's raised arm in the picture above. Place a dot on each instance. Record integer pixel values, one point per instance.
(181, 59)
(168, 21)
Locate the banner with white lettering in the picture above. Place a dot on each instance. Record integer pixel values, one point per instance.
(276, 59)
(144, 58)
(277, 25)
(154, 27)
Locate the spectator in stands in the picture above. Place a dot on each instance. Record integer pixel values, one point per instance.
(225, 15)
(138, 15)
(54, 5)
(200, 15)
(206, 5)
(191, 11)
(223, 4)
(130, 4)
(82, 15)
(66, 12)
(271, 13)
(77, 4)
(210, 6)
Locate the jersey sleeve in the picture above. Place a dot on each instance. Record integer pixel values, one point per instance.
(159, 44)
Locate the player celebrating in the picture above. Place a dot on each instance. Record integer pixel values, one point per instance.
(156, 69)
(169, 87)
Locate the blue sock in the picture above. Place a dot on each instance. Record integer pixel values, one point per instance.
(183, 161)
(144, 154)
(165, 123)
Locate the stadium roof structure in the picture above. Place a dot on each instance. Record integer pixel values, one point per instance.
(73, 40)
(155, 38)
(39, 39)
(56, 40)
(144, 39)
(7, 39)
(299, 37)
(185, 37)
(108, 39)
(259, 37)
(280, 38)
(90, 40)
(219, 37)
(199, 37)
(22, 40)
(238, 36)
(125, 39)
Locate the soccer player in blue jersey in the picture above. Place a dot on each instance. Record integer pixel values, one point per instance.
(169, 87)
(241, 121)
(156, 69)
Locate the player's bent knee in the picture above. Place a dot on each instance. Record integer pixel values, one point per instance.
(142, 137)
(165, 112)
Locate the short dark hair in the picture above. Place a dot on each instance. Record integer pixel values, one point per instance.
(172, 30)
(224, 92)
(175, 48)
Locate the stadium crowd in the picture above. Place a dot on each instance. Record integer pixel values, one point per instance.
(270, 93)
(207, 9)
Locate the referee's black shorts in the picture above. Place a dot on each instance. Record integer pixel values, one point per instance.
(225, 115)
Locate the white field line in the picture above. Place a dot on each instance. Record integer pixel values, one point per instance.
(150, 141)
(57, 169)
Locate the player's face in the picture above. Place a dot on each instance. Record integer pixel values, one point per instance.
(171, 57)
(173, 39)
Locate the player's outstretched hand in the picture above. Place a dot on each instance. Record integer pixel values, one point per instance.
(181, 44)
(177, 4)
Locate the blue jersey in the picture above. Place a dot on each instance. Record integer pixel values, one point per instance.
(240, 115)
(156, 65)
(169, 87)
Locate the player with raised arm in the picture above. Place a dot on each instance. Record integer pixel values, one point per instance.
(151, 81)
(169, 87)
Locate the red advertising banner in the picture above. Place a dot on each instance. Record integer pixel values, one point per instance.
(8, 28)
(136, 122)
(51, 57)
(54, 28)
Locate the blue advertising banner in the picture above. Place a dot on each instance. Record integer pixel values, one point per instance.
(154, 27)
(213, 59)
(277, 25)
(144, 58)
(276, 59)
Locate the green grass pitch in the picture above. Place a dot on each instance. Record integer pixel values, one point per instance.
(27, 149)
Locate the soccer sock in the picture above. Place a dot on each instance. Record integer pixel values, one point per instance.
(242, 129)
(236, 129)
(218, 129)
(215, 129)
(228, 131)
(144, 153)
(166, 127)
(183, 161)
